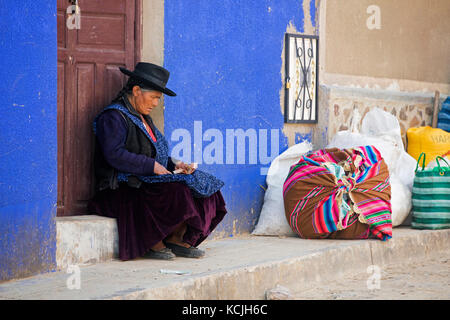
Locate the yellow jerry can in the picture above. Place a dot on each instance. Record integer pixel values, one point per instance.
(432, 141)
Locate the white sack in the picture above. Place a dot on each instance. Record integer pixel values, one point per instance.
(272, 219)
(383, 125)
(382, 130)
(400, 207)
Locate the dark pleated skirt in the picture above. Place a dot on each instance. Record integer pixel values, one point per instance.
(150, 213)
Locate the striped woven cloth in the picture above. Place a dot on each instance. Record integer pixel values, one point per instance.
(336, 188)
(444, 116)
(431, 199)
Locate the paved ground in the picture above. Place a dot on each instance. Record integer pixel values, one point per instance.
(422, 280)
(246, 267)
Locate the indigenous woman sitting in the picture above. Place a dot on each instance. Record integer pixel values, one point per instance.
(160, 214)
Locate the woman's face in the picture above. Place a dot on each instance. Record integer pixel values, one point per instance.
(145, 100)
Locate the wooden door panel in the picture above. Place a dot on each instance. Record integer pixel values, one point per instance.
(103, 6)
(85, 91)
(104, 56)
(107, 31)
(62, 4)
(114, 79)
(60, 119)
(61, 31)
(88, 79)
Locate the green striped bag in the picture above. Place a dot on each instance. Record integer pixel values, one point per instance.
(431, 196)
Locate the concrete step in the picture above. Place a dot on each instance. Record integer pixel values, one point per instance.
(234, 268)
(85, 239)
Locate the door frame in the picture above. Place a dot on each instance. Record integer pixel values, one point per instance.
(138, 30)
(138, 40)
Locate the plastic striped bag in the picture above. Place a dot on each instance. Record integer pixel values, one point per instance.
(431, 196)
(444, 116)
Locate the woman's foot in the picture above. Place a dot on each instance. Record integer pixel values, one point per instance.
(163, 254)
(159, 246)
(177, 241)
(182, 249)
(185, 250)
(160, 251)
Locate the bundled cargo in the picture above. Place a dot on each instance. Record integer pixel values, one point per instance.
(382, 130)
(339, 194)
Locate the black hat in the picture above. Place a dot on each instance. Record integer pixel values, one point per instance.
(151, 75)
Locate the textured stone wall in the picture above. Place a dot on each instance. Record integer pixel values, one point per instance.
(411, 109)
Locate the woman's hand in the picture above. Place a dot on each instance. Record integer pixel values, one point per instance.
(159, 169)
(181, 165)
(185, 168)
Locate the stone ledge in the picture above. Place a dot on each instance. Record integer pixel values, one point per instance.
(85, 240)
(412, 109)
(234, 268)
(383, 94)
(335, 259)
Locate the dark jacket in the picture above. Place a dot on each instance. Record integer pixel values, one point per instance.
(122, 146)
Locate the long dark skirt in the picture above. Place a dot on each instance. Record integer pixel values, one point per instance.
(149, 214)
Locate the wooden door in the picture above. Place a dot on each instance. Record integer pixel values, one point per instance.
(88, 78)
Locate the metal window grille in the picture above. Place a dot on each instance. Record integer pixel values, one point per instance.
(301, 85)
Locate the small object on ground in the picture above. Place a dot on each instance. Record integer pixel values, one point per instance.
(278, 293)
(167, 271)
(181, 251)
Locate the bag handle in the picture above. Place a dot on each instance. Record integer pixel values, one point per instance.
(440, 158)
(423, 162)
(441, 172)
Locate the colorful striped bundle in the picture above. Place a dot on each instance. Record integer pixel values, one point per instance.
(334, 193)
(431, 197)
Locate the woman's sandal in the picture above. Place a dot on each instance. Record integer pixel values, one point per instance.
(163, 254)
(181, 251)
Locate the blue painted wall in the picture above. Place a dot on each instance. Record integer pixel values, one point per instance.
(225, 59)
(28, 138)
